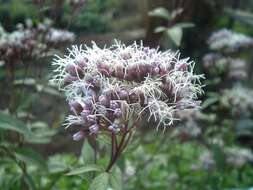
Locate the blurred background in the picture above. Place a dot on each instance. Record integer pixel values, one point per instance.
(210, 148)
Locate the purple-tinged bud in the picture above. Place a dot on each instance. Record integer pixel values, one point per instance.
(117, 113)
(96, 81)
(111, 127)
(114, 105)
(104, 100)
(91, 119)
(104, 69)
(88, 92)
(126, 55)
(84, 114)
(78, 136)
(94, 129)
(69, 79)
(114, 128)
(119, 72)
(146, 49)
(155, 70)
(182, 66)
(76, 107)
(82, 63)
(123, 94)
(108, 92)
(162, 70)
(74, 70)
(133, 97)
(88, 104)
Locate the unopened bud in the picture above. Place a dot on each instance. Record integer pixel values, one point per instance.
(78, 136)
(76, 107)
(94, 129)
(117, 113)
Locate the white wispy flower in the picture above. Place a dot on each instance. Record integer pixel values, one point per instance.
(229, 41)
(115, 85)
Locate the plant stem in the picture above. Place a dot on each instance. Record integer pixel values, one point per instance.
(119, 149)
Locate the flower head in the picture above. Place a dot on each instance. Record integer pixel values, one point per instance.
(120, 84)
(229, 41)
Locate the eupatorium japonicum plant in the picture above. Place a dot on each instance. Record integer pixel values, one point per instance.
(229, 41)
(110, 90)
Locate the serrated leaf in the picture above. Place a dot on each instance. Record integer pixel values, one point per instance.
(31, 157)
(116, 179)
(101, 182)
(160, 12)
(175, 34)
(84, 169)
(8, 122)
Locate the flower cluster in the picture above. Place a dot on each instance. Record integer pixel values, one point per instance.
(56, 36)
(188, 127)
(110, 89)
(239, 98)
(229, 41)
(76, 3)
(238, 156)
(234, 156)
(31, 41)
(232, 68)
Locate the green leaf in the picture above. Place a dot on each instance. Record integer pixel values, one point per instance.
(160, 29)
(116, 179)
(29, 181)
(84, 169)
(27, 81)
(175, 34)
(101, 182)
(184, 25)
(160, 12)
(37, 140)
(209, 102)
(31, 157)
(8, 122)
(87, 154)
(242, 16)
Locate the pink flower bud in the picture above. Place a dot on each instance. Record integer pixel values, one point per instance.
(117, 113)
(104, 100)
(85, 113)
(96, 81)
(114, 105)
(69, 79)
(74, 70)
(91, 119)
(155, 70)
(123, 94)
(94, 129)
(82, 63)
(75, 107)
(119, 72)
(78, 136)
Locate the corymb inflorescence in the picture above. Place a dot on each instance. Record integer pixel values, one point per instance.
(112, 89)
